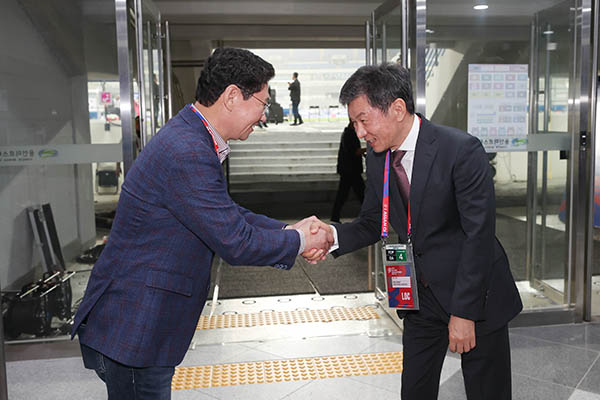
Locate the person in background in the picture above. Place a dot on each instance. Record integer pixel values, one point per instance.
(149, 286)
(349, 168)
(294, 88)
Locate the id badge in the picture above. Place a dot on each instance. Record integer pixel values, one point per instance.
(400, 276)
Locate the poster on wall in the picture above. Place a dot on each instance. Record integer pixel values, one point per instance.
(497, 105)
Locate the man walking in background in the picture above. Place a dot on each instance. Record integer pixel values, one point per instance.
(294, 88)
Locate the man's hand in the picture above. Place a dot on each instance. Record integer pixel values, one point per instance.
(318, 238)
(461, 334)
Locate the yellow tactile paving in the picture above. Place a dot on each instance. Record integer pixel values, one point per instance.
(287, 317)
(301, 369)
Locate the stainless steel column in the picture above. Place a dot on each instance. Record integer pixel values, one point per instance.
(544, 194)
(404, 35)
(367, 43)
(139, 28)
(150, 51)
(125, 83)
(383, 42)
(3, 382)
(374, 35)
(419, 22)
(581, 228)
(532, 157)
(169, 68)
(161, 76)
(592, 154)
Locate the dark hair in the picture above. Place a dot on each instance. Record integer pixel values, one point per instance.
(382, 84)
(295, 74)
(230, 66)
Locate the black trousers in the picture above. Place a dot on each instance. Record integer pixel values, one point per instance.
(486, 368)
(347, 182)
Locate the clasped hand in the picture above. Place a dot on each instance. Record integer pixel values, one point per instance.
(318, 238)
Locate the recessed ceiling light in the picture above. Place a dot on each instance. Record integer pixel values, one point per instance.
(548, 32)
(429, 31)
(480, 7)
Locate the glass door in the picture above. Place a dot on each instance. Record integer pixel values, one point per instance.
(547, 257)
(525, 94)
(396, 34)
(150, 69)
(141, 62)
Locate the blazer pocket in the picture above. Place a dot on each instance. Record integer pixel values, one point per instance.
(170, 282)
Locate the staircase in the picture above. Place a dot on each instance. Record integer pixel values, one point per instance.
(286, 158)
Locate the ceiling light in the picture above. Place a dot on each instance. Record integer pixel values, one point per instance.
(548, 32)
(429, 31)
(480, 7)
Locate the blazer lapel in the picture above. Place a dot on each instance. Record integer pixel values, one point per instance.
(425, 153)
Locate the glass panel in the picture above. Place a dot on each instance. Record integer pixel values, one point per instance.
(388, 46)
(150, 83)
(483, 43)
(77, 102)
(69, 60)
(596, 205)
(391, 35)
(549, 273)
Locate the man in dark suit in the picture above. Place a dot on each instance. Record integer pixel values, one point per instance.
(294, 88)
(349, 168)
(440, 175)
(148, 288)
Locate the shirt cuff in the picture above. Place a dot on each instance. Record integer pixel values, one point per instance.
(336, 243)
(302, 241)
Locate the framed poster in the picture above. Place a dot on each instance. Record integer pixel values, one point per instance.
(497, 105)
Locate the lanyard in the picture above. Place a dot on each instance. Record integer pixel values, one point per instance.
(208, 128)
(385, 212)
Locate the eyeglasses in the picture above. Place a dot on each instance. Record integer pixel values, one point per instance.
(266, 105)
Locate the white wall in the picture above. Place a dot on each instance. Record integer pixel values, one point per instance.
(41, 105)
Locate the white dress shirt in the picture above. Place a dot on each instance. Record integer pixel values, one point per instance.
(409, 145)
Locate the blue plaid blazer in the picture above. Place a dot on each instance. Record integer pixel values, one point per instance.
(148, 288)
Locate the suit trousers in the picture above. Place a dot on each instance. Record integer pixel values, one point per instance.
(486, 368)
(129, 383)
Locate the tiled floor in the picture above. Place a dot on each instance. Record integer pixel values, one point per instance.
(553, 362)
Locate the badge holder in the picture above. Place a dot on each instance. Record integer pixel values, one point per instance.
(400, 276)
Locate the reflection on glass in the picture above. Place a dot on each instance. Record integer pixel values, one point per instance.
(456, 42)
(105, 112)
(596, 229)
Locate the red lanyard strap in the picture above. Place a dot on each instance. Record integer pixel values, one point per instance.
(207, 125)
(385, 212)
(386, 198)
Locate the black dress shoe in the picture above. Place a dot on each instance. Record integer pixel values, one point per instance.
(293, 124)
(300, 123)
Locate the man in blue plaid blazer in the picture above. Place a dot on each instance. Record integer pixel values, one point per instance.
(148, 288)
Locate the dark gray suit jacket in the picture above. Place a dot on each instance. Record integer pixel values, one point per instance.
(453, 214)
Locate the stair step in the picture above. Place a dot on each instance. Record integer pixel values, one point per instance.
(293, 158)
(322, 186)
(303, 145)
(283, 153)
(235, 169)
(299, 176)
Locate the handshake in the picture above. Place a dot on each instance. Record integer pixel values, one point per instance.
(318, 238)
